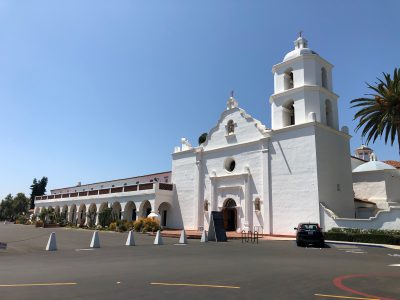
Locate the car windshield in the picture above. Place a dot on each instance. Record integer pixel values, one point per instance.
(309, 226)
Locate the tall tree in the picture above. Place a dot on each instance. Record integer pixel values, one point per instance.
(20, 204)
(379, 113)
(38, 189)
(6, 208)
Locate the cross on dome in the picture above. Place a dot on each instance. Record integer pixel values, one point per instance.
(301, 42)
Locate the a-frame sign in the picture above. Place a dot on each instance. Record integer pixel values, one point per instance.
(216, 231)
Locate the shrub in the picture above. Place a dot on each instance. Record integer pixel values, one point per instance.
(39, 223)
(150, 225)
(377, 236)
(21, 220)
(43, 214)
(122, 227)
(105, 217)
(138, 224)
(129, 225)
(113, 226)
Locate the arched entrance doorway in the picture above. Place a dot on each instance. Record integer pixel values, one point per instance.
(164, 211)
(229, 213)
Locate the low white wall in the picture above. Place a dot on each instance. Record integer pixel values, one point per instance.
(387, 219)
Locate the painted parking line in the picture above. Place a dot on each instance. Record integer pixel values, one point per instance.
(86, 249)
(350, 249)
(343, 297)
(196, 285)
(394, 265)
(38, 284)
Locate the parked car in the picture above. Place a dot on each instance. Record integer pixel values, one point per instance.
(309, 233)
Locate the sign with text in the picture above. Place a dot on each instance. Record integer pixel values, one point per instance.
(216, 231)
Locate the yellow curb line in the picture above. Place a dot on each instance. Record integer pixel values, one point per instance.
(38, 284)
(196, 285)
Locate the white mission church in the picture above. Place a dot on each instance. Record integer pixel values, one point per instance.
(269, 179)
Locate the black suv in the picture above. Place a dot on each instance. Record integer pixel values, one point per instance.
(309, 233)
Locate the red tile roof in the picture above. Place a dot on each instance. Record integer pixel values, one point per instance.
(393, 163)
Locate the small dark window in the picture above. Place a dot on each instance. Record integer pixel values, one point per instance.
(257, 205)
(205, 205)
(230, 127)
(230, 164)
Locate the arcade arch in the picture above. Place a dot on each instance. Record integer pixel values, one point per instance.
(145, 208)
(81, 215)
(164, 210)
(116, 211)
(91, 215)
(72, 214)
(130, 211)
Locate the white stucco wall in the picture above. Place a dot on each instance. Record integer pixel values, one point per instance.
(208, 178)
(389, 219)
(380, 186)
(294, 184)
(334, 170)
(183, 175)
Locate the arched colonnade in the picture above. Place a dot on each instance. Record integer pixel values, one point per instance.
(87, 213)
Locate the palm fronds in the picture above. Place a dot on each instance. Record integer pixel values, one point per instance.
(379, 113)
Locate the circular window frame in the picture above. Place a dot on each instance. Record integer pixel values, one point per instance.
(230, 164)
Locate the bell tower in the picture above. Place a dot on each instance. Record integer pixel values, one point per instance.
(303, 89)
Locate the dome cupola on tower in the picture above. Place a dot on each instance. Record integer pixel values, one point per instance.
(303, 88)
(300, 48)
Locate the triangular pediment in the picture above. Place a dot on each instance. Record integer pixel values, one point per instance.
(234, 126)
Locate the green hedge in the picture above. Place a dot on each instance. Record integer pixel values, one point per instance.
(364, 236)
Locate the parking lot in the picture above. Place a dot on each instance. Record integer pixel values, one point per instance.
(232, 270)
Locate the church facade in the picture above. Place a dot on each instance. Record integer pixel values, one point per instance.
(271, 178)
(265, 179)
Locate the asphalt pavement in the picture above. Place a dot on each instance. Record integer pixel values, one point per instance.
(232, 270)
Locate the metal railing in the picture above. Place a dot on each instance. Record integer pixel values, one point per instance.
(250, 236)
(122, 189)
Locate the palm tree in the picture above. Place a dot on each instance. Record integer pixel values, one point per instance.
(379, 114)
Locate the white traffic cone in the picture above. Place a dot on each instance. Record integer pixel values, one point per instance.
(183, 239)
(204, 238)
(130, 241)
(158, 240)
(51, 244)
(95, 243)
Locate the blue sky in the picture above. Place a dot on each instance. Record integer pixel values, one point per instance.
(98, 90)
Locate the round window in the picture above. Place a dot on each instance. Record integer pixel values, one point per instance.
(230, 164)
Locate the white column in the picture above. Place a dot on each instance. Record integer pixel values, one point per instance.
(97, 213)
(213, 198)
(266, 199)
(247, 200)
(198, 196)
(123, 216)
